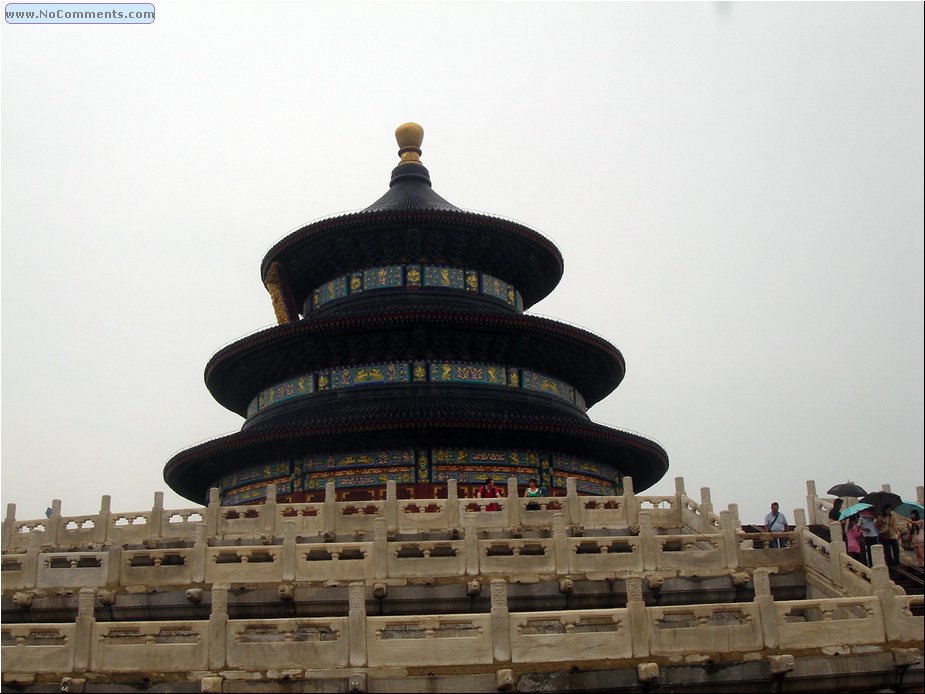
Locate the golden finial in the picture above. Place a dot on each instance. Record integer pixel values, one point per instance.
(409, 137)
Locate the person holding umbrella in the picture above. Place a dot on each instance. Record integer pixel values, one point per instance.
(918, 537)
(889, 535)
(871, 536)
(854, 539)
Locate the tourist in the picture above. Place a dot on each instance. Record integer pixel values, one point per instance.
(533, 491)
(889, 535)
(854, 539)
(918, 536)
(490, 491)
(776, 522)
(871, 536)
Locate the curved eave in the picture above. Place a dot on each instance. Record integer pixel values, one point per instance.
(238, 372)
(321, 250)
(192, 471)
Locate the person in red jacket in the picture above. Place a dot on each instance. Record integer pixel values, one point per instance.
(490, 491)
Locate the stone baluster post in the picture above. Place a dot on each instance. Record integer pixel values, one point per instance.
(391, 505)
(452, 504)
(572, 502)
(218, 627)
(706, 510)
(728, 528)
(560, 543)
(884, 589)
(83, 636)
(799, 529)
(268, 512)
(103, 519)
(639, 627)
(679, 496)
(114, 569)
(837, 552)
(330, 509)
(879, 571)
(734, 510)
(31, 565)
(767, 613)
(500, 621)
(512, 503)
(471, 544)
(356, 621)
(200, 547)
(8, 523)
(289, 550)
(812, 500)
(920, 495)
(213, 513)
(647, 542)
(155, 526)
(380, 548)
(629, 501)
(53, 524)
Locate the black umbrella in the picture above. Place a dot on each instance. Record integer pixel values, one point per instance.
(847, 489)
(880, 499)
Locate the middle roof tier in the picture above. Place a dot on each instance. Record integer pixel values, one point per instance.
(238, 373)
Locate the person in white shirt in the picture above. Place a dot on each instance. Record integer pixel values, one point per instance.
(776, 522)
(871, 534)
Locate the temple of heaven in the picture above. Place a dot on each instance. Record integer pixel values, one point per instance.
(402, 352)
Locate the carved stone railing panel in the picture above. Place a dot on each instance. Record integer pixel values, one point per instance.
(17, 571)
(605, 555)
(241, 521)
(357, 516)
(815, 553)
(423, 559)
(429, 640)
(157, 567)
(334, 561)
(72, 569)
(663, 510)
(690, 552)
(150, 646)
(181, 523)
(243, 564)
(557, 636)
(421, 515)
(602, 512)
(26, 533)
(749, 557)
(509, 556)
(312, 643)
(135, 528)
(308, 519)
(905, 625)
(830, 622)
(38, 647)
(719, 628)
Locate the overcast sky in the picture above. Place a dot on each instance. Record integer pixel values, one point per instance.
(736, 190)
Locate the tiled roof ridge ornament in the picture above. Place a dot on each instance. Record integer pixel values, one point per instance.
(409, 137)
(410, 187)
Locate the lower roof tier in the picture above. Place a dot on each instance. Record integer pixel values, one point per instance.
(460, 425)
(241, 371)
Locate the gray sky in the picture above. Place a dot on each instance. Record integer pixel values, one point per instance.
(736, 191)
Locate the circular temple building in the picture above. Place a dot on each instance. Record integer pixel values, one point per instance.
(403, 353)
